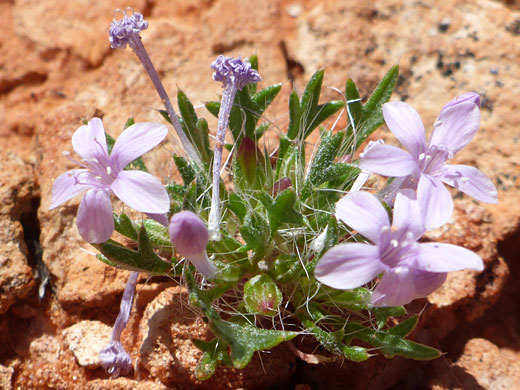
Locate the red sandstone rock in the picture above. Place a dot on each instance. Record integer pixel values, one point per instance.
(56, 70)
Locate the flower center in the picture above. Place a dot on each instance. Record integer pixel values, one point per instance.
(431, 161)
(396, 246)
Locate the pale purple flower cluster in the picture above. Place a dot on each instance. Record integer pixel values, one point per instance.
(121, 31)
(234, 70)
(102, 175)
(410, 269)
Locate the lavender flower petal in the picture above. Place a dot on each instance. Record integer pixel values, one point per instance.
(388, 160)
(349, 265)
(135, 141)
(468, 97)
(363, 212)
(456, 126)
(471, 181)
(396, 288)
(435, 202)
(427, 282)
(89, 140)
(66, 187)
(203, 264)
(115, 360)
(440, 257)
(95, 221)
(407, 214)
(162, 218)
(141, 191)
(406, 124)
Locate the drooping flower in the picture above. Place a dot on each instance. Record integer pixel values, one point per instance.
(190, 236)
(103, 175)
(234, 74)
(114, 357)
(410, 269)
(423, 167)
(126, 32)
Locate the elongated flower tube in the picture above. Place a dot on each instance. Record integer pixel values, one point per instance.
(102, 175)
(126, 32)
(234, 74)
(113, 357)
(423, 166)
(190, 236)
(410, 269)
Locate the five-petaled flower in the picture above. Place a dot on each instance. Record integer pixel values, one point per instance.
(411, 269)
(103, 175)
(423, 167)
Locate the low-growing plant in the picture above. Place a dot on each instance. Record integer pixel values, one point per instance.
(292, 245)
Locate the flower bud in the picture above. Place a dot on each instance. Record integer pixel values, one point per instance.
(190, 236)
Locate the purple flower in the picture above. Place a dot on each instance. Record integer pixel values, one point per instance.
(234, 70)
(423, 167)
(411, 269)
(126, 32)
(121, 31)
(103, 175)
(113, 357)
(234, 74)
(190, 236)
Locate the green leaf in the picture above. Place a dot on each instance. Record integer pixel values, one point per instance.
(371, 112)
(124, 225)
(286, 268)
(213, 108)
(245, 339)
(323, 111)
(157, 233)
(265, 97)
(354, 106)
(307, 114)
(256, 234)
(185, 169)
(382, 314)
(143, 260)
(390, 344)
(237, 205)
(294, 116)
(332, 342)
(190, 123)
(253, 60)
(355, 299)
(260, 130)
(324, 158)
(262, 296)
(404, 328)
(215, 353)
(282, 209)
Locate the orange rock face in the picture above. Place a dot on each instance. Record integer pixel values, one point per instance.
(57, 69)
